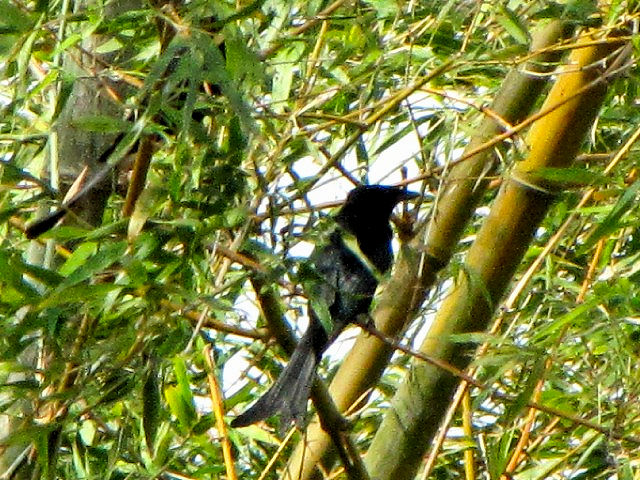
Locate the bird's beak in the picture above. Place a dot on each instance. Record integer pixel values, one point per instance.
(407, 195)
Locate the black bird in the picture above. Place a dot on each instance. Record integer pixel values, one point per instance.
(345, 288)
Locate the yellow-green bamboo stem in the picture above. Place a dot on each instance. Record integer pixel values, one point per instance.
(419, 404)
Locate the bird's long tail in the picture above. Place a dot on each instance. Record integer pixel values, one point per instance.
(290, 393)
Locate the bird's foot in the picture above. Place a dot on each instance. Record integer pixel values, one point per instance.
(366, 322)
(336, 422)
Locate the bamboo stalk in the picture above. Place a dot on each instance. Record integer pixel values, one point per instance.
(420, 402)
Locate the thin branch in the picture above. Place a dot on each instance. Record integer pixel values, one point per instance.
(193, 316)
(494, 393)
(218, 410)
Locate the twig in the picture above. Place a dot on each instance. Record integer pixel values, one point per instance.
(619, 65)
(494, 393)
(257, 333)
(218, 412)
(303, 28)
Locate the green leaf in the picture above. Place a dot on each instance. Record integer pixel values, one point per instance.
(317, 291)
(162, 446)
(180, 408)
(256, 433)
(127, 20)
(78, 464)
(624, 469)
(568, 177)
(580, 10)
(24, 55)
(285, 66)
(78, 257)
(66, 81)
(180, 398)
(39, 274)
(88, 432)
(92, 295)
(526, 391)
(321, 310)
(235, 217)
(180, 371)
(104, 258)
(117, 386)
(68, 42)
(499, 453)
(241, 61)
(215, 72)
(612, 221)
(385, 8)
(512, 24)
(555, 327)
(151, 404)
(393, 139)
(204, 423)
(14, 19)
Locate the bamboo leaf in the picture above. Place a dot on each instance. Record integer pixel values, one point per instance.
(103, 258)
(151, 404)
(613, 220)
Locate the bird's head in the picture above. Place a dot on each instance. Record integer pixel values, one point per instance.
(366, 214)
(370, 205)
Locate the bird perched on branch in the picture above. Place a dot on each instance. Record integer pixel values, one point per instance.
(341, 293)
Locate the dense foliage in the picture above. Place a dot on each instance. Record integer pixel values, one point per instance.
(260, 117)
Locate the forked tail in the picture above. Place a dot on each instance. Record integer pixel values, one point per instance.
(289, 395)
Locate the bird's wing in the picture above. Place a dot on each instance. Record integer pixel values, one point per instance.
(345, 284)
